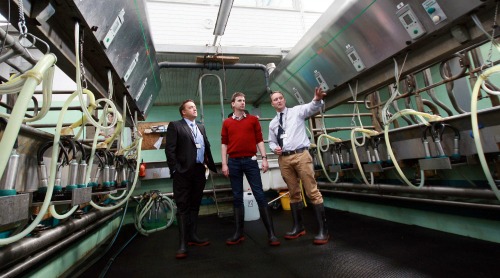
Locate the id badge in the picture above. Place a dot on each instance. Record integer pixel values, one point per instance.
(198, 146)
(283, 136)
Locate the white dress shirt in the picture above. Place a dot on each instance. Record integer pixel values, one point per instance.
(293, 126)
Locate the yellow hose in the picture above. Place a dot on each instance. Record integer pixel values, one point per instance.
(92, 106)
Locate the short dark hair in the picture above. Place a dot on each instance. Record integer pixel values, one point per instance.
(183, 104)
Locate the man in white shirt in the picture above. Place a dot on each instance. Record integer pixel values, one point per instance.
(288, 139)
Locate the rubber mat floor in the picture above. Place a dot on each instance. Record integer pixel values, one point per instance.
(359, 246)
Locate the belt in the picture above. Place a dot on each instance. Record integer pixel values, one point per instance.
(241, 157)
(301, 150)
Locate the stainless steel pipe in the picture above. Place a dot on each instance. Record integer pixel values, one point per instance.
(36, 258)
(434, 190)
(19, 250)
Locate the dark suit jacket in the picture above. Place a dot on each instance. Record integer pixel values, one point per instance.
(180, 148)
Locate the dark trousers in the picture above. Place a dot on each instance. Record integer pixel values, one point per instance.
(250, 168)
(188, 189)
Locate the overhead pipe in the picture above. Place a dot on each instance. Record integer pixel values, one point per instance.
(445, 71)
(16, 46)
(432, 93)
(219, 66)
(9, 54)
(25, 247)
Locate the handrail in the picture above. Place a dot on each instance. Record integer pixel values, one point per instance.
(200, 90)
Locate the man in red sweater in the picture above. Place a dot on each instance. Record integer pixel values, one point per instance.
(240, 134)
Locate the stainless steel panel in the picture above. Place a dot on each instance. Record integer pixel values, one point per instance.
(436, 163)
(14, 208)
(374, 30)
(373, 168)
(132, 42)
(335, 168)
(81, 195)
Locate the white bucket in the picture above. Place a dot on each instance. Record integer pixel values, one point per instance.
(251, 207)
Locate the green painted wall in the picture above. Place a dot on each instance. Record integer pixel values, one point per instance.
(213, 125)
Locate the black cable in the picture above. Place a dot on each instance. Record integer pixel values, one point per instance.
(112, 259)
(42, 149)
(98, 154)
(71, 144)
(82, 149)
(108, 247)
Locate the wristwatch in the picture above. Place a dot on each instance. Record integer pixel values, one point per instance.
(264, 157)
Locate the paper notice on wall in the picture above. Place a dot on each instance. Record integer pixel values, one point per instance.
(157, 144)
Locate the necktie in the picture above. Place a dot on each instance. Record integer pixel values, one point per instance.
(280, 131)
(200, 148)
(194, 131)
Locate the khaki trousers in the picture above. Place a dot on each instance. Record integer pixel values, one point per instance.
(298, 167)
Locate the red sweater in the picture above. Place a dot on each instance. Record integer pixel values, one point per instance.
(241, 137)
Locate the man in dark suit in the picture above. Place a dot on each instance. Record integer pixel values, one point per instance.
(188, 151)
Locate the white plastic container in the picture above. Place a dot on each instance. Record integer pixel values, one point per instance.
(251, 207)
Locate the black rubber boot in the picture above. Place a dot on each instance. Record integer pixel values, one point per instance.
(268, 222)
(323, 236)
(298, 229)
(193, 238)
(182, 223)
(239, 215)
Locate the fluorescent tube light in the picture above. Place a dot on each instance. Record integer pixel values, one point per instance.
(222, 17)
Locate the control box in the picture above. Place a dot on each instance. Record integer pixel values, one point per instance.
(434, 11)
(321, 81)
(354, 58)
(298, 96)
(410, 22)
